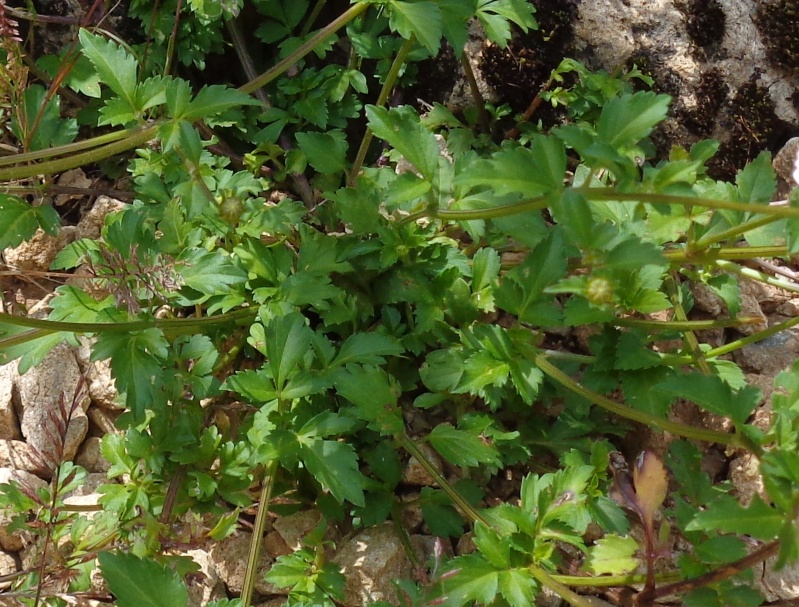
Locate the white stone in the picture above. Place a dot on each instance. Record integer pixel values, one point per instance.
(9, 426)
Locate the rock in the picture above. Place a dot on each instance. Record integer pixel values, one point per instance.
(41, 417)
(9, 426)
(102, 387)
(370, 561)
(73, 178)
(782, 585)
(786, 162)
(210, 587)
(294, 527)
(18, 455)
(769, 356)
(7, 566)
(103, 420)
(746, 478)
(229, 558)
(90, 457)
(415, 474)
(91, 224)
(39, 252)
(14, 541)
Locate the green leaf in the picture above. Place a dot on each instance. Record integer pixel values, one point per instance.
(138, 582)
(721, 549)
(473, 579)
(613, 554)
(371, 391)
(495, 15)
(726, 515)
(287, 341)
(137, 360)
(757, 181)
(335, 466)
(51, 129)
(632, 353)
(367, 349)
(326, 152)
(462, 448)
(712, 393)
(529, 172)
(491, 545)
(213, 100)
(627, 119)
(420, 19)
(20, 220)
(115, 66)
(209, 272)
(400, 127)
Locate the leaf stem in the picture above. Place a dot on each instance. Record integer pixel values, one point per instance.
(711, 436)
(562, 591)
(305, 48)
(684, 325)
(736, 230)
(248, 585)
(388, 85)
(756, 275)
(404, 441)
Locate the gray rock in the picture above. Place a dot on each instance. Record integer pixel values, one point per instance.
(39, 252)
(102, 388)
(210, 587)
(415, 474)
(782, 585)
(91, 224)
(370, 561)
(18, 455)
(7, 566)
(91, 458)
(41, 420)
(229, 558)
(771, 355)
(294, 527)
(9, 426)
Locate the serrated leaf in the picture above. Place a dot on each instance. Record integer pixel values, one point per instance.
(529, 172)
(213, 100)
(613, 554)
(138, 582)
(115, 66)
(721, 549)
(137, 360)
(335, 466)
(288, 338)
(20, 220)
(208, 272)
(632, 353)
(713, 394)
(726, 515)
(51, 129)
(370, 390)
(495, 16)
(482, 369)
(757, 181)
(326, 152)
(491, 545)
(474, 580)
(367, 349)
(420, 19)
(627, 119)
(727, 287)
(400, 127)
(462, 448)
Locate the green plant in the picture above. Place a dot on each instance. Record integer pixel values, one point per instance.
(367, 294)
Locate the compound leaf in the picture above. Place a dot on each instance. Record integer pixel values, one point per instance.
(138, 582)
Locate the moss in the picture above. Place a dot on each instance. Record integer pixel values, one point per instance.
(753, 126)
(711, 96)
(778, 22)
(704, 21)
(518, 71)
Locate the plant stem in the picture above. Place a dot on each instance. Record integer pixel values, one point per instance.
(482, 114)
(404, 441)
(308, 46)
(254, 554)
(562, 591)
(711, 436)
(531, 204)
(180, 326)
(736, 230)
(71, 162)
(756, 275)
(613, 195)
(388, 85)
(680, 256)
(684, 325)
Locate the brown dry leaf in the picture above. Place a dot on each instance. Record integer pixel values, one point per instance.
(651, 484)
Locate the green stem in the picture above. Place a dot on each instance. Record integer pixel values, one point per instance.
(680, 256)
(684, 325)
(259, 526)
(531, 204)
(482, 114)
(312, 17)
(179, 326)
(711, 436)
(736, 230)
(388, 85)
(756, 275)
(404, 441)
(750, 339)
(307, 47)
(71, 148)
(610, 581)
(688, 201)
(96, 155)
(688, 337)
(562, 591)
